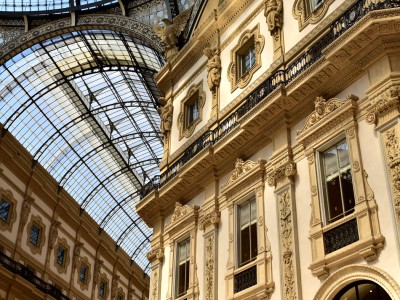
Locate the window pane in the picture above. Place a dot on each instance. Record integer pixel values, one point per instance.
(4, 210)
(102, 289)
(82, 273)
(347, 189)
(334, 198)
(248, 232)
(253, 230)
(245, 245)
(182, 272)
(34, 238)
(244, 215)
(60, 256)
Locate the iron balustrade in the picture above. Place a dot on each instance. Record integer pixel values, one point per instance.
(341, 236)
(279, 78)
(23, 271)
(245, 279)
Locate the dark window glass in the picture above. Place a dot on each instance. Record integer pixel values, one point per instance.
(183, 267)
(35, 235)
(4, 210)
(82, 273)
(247, 59)
(119, 297)
(60, 256)
(337, 182)
(362, 290)
(247, 232)
(192, 109)
(102, 289)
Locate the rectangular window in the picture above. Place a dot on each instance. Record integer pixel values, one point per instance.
(35, 235)
(182, 270)
(83, 273)
(60, 256)
(247, 60)
(102, 289)
(337, 182)
(247, 225)
(120, 297)
(4, 210)
(192, 109)
(313, 5)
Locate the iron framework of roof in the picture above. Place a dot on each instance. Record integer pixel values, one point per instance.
(84, 105)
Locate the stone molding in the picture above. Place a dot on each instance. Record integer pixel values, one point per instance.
(299, 12)
(37, 221)
(332, 120)
(62, 242)
(352, 273)
(187, 130)
(156, 255)
(12, 212)
(237, 80)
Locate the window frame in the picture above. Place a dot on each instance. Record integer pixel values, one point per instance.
(37, 222)
(7, 196)
(250, 37)
(332, 121)
(62, 243)
(195, 94)
(304, 14)
(245, 183)
(182, 227)
(186, 240)
(84, 284)
(321, 186)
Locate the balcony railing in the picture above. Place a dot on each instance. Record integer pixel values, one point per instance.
(341, 236)
(280, 78)
(245, 279)
(23, 271)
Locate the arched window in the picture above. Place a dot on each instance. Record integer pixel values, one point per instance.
(362, 290)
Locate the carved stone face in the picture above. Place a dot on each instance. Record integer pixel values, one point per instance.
(319, 105)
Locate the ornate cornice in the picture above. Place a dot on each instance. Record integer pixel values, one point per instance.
(383, 101)
(213, 217)
(183, 217)
(156, 254)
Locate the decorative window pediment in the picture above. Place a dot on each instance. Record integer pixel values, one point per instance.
(182, 218)
(245, 58)
(191, 110)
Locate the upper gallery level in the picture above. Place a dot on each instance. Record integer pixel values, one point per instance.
(248, 65)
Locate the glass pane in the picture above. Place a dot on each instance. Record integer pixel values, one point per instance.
(253, 211)
(244, 246)
(367, 291)
(330, 163)
(334, 199)
(60, 256)
(347, 189)
(82, 273)
(102, 289)
(34, 238)
(343, 154)
(254, 247)
(244, 215)
(4, 210)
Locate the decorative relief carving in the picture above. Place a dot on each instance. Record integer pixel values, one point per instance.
(77, 255)
(154, 288)
(356, 166)
(213, 68)
(209, 267)
(97, 270)
(213, 217)
(114, 287)
(314, 190)
(25, 211)
(84, 284)
(324, 108)
(170, 33)
(180, 211)
(288, 169)
(351, 132)
(286, 231)
(383, 101)
(241, 168)
(53, 235)
(154, 254)
(166, 118)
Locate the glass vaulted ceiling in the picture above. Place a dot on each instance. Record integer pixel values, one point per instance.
(55, 6)
(83, 104)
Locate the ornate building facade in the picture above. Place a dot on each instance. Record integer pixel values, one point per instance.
(277, 143)
(279, 178)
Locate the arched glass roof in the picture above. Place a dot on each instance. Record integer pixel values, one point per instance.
(83, 104)
(55, 6)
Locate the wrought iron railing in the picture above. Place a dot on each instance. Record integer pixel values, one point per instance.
(27, 274)
(280, 78)
(245, 279)
(341, 236)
